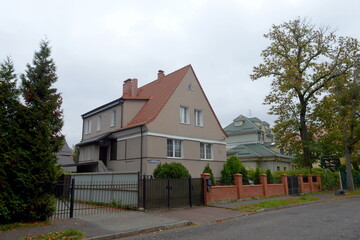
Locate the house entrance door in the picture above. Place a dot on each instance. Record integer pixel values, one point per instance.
(103, 154)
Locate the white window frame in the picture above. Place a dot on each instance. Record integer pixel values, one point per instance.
(204, 154)
(98, 123)
(199, 120)
(88, 126)
(172, 150)
(113, 118)
(184, 115)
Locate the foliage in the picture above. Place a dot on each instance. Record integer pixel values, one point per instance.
(303, 61)
(68, 234)
(329, 180)
(232, 166)
(207, 169)
(269, 176)
(75, 152)
(275, 203)
(30, 138)
(171, 170)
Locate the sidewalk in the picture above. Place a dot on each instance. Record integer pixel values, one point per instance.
(111, 226)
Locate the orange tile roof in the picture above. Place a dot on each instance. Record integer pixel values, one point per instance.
(158, 92)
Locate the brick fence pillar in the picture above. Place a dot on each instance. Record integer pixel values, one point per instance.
(309, 177)
(263, 181)
(238, 182)
(207, 196)
(301, 183)
(318, 180)
(284, 181)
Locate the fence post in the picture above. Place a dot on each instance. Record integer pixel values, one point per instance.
(205, 176)
(263, 181)
(284, 180)
(309, 177)
(72, 191)
(301, 183)
(144, 192)
(190, 191)
(318, 180)
(238, 182)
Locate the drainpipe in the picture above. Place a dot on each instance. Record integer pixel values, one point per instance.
(141, 150)
(122, 114)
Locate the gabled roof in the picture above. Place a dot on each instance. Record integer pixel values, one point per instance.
(247, 126)
(254, 150)
(158, 92)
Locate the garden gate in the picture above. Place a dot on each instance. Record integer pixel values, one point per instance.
(170, 192)
(293, 184)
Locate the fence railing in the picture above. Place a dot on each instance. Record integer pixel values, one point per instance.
(84, 198)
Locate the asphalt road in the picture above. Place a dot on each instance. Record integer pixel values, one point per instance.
(338, 219)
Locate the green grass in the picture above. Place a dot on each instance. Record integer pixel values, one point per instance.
(353, 193)
(68, 234)
(11, 226)
(275, 203)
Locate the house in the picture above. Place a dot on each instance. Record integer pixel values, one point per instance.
(167, 120)
(65, 159)
(252, 141)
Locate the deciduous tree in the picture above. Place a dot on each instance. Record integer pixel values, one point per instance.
(303, 60)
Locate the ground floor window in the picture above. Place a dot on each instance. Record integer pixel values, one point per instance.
(174, 148)
(205, 151)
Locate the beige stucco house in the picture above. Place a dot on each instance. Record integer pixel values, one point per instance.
(167, 120)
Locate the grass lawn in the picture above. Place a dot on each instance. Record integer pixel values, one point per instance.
(68, 234)
(275, 203)
(7, 227)
(353, 193)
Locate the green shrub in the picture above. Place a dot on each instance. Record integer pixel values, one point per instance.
(269, 176)
(207, 169)
(171, 170)
(232, 166)
(329, 179)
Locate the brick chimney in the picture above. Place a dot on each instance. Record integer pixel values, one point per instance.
(130, 87)
(161, 74)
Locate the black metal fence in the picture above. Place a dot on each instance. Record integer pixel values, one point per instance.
(85, 198)
(170, 193)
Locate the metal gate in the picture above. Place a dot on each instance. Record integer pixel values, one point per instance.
(64, 193)
(170, 192)
(293, 185)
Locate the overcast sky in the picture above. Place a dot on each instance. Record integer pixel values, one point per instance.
(97, 45)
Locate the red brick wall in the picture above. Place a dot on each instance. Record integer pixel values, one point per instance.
(237, 191)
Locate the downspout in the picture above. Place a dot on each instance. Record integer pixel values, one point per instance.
(122, 114)
(141, 150)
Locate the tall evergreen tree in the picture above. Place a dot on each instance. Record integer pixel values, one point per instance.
(11, 203)
(44, 120)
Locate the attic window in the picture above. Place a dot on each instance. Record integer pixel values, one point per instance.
(190, 87)
(238, 123)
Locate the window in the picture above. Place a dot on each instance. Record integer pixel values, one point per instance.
(174, 148)
(88, 127)
(113, 118)
(205, 151)
(184, 115)
(198, 118)
(282, 151)
(278, 168)
(98, 123)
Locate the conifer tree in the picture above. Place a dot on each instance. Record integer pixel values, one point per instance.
(44, 120)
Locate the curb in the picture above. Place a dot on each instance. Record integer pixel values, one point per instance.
(137, 232)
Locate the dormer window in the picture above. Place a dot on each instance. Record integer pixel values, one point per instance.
(238, 123)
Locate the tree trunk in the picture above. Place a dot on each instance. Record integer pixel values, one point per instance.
(347, 148)
(305, 136)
